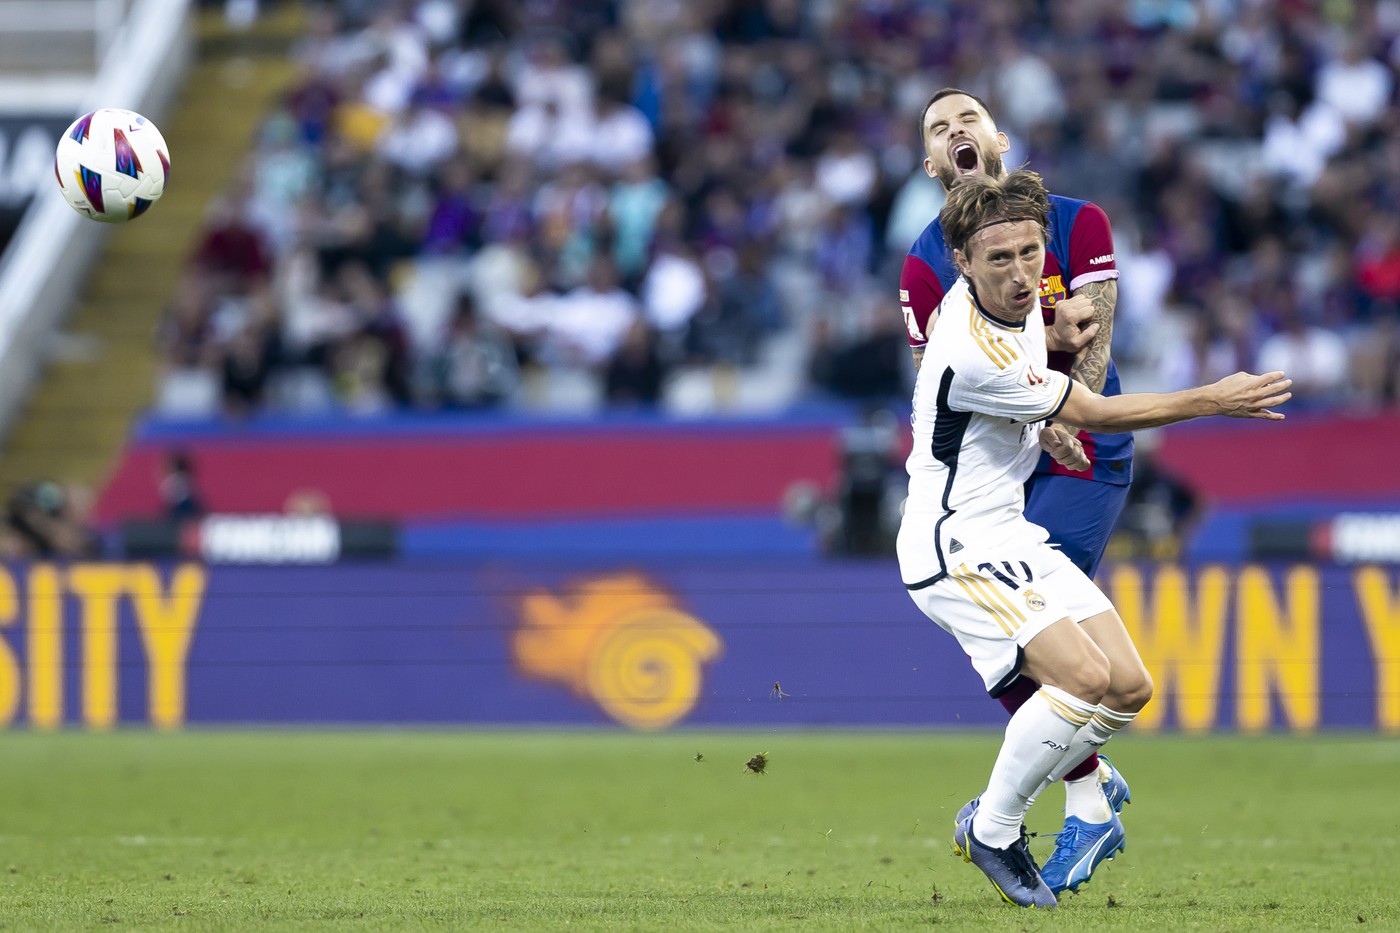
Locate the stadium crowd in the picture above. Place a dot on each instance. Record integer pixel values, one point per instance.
(704, 205)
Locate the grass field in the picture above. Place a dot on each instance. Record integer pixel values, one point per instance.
(381, 830)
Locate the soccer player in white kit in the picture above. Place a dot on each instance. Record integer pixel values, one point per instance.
(984, 403)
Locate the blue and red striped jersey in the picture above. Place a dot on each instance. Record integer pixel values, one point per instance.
(1080, 251)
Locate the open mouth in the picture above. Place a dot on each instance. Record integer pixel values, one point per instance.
(965, 158)
(1021, 297)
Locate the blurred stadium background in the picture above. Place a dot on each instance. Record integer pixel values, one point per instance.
(535, 367)
(541, 363)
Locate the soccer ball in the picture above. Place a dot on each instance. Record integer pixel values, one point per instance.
(112, 165)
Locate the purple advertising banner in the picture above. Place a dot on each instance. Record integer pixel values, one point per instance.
(652, 645)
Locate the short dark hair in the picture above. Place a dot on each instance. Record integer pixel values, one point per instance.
(983, 200)
(948, 92)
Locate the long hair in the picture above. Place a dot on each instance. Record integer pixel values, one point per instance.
(981, 201)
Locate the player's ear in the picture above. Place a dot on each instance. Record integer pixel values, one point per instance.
(961, 261)
(928, 168)
(1003, 142)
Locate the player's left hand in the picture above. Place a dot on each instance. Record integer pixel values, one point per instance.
(1074, 325)
(1245, 395)
(1064, 447)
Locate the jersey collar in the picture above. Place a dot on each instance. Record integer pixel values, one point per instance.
(1009, 325)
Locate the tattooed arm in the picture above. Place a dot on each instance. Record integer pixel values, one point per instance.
(1091, 365)
(918, 357)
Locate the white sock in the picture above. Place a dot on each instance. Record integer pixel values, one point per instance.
(1104, 725)
(1036, 740)
(1084, 798)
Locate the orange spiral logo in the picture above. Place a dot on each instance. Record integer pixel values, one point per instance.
(646, 672)
(621, 641)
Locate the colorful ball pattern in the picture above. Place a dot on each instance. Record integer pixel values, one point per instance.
(112, 165)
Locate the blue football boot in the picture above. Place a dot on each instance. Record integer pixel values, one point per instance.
(1079, 849)
(967, 810)
(1114, 787)
(1011, 870)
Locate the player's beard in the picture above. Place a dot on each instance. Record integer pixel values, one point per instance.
(991, 166)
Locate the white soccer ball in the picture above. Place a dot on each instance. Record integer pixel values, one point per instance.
(112, 165)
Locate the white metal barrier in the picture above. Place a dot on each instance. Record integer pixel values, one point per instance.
(49, 256)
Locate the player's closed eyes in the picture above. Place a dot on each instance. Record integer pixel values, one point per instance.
(970, 118)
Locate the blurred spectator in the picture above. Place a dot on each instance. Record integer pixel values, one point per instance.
(861, 516)
(1355, 84)
(307, 502)
(590, 323)
(477, 365)
(250, 354)
(178, 490)
(1160, 509)
(846, 171)
(744, 307)
(674, 290)
(633, 207)
(750, 171)
(1314, 358)
(1378, 263)
(635, 373)
(418, 139)
(622, 136)
(873, 484)
(1376, 357)
(234, 253)
(1216, 345)
(48, 520)
(1298, 140)
(370, 366)
(455, 222)
(1025, 90)
(187, 329)
(869, 367)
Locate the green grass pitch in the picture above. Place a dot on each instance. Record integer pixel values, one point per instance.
(243, 830)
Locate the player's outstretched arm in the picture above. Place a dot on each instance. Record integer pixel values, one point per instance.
(1242, 395)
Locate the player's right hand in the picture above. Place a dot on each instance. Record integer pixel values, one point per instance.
(1245, 395)
(1074, 325)
(1064, 448)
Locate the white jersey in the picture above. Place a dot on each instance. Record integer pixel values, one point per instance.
(981, 396)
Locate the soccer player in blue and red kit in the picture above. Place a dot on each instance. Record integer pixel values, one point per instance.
(1078, 509)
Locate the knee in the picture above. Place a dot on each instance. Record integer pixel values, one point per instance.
(1091, 679)
(1130, 693)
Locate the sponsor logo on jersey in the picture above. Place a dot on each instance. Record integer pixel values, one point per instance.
(1033, 378)
(1100, 260)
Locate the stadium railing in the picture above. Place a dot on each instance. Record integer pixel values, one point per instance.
(45, 263)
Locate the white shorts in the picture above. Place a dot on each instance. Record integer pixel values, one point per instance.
(994, 602)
